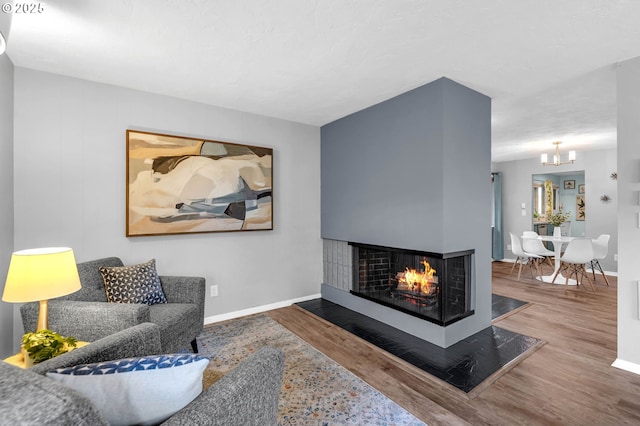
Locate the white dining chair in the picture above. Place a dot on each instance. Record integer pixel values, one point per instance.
(531, 244)
(578, 253)
(523, 257)
(600, 250)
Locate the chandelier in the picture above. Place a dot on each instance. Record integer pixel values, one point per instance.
(556, 157)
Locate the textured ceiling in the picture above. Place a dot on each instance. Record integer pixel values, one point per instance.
(548, 65)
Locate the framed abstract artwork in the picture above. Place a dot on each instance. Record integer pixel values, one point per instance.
(184, 185)
(569, 184)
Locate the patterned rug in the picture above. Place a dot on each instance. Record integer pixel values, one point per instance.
(315, 389)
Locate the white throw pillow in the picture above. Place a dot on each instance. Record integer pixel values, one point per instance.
(144, 391)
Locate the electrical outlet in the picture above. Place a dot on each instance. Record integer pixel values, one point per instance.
(615, 257)
(508, 246)
(214, 291)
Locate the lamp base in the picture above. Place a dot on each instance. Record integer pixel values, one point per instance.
(43, 316)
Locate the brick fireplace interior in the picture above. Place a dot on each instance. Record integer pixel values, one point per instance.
(433, 286)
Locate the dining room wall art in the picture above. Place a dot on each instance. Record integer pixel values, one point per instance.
(580, 208)
(184, 185)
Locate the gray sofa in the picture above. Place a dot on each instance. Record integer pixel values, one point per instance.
(248, 395)
(87, 316)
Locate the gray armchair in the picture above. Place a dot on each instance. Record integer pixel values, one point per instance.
(87, 316)
(248, 395)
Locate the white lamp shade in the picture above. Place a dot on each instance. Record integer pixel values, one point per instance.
(572, 156)
(544, 158)
(41, 274)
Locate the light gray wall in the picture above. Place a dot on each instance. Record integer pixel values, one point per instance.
(628, 210)
(6, 189)
(600, 218)
(70, 153)
(414, 172)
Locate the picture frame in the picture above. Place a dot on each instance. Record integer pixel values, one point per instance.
(580, 208)
(569, 184)
(185, 185)
(581, 189)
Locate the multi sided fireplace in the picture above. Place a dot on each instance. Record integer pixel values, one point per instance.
(432, 286)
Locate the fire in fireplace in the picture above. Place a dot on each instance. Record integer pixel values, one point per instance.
(432, 286)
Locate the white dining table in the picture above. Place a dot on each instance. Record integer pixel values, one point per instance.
(557, 249)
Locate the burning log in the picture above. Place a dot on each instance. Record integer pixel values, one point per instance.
(419, 282)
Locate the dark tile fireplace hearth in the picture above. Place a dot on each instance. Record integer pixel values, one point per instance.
(469, 365)
(433, 286)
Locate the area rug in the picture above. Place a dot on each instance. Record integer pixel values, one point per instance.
(315, 389)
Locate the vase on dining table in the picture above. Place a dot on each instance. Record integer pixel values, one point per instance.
(557, 232)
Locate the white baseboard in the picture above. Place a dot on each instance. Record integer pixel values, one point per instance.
(626, 365)
(610, 273)
(258, 309)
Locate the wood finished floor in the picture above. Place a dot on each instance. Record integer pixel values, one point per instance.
(569, 381)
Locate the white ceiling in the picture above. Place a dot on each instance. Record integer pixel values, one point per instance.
(548, 65)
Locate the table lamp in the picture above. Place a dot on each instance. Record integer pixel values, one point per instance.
(39, 275)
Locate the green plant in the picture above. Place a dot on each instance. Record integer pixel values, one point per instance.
(44, 344)
(557, 219)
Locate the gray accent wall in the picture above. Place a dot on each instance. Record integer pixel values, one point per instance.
(628, 98)
(382, 173)
(415, 172)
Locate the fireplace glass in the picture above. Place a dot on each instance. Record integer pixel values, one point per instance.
(432, 286)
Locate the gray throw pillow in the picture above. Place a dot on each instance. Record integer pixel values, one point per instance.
(133, 284)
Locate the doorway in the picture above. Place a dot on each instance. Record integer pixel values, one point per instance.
(559, 192)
